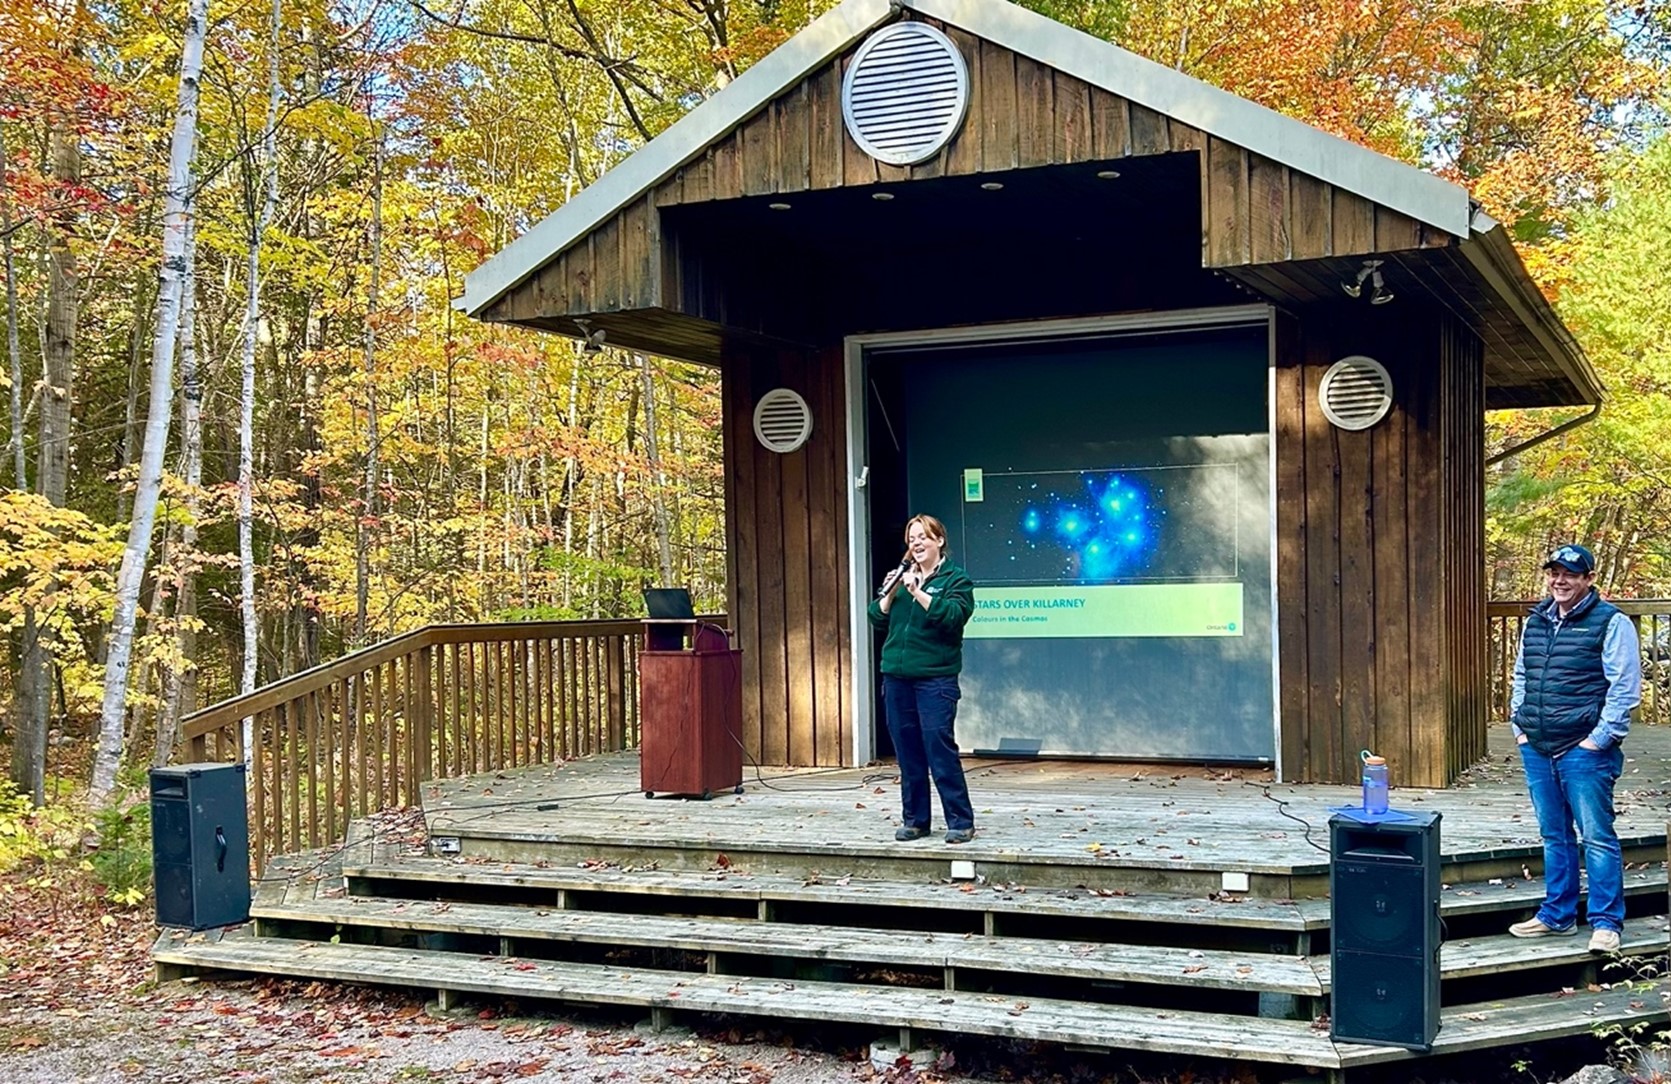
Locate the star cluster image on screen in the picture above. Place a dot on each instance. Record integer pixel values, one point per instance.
(1107, 527)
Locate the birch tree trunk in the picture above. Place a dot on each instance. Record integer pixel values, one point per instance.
(658, 478)
(175, 209)
(52, 473)
(246, 396)
(180, 681)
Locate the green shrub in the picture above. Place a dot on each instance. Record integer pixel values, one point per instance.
(1640, 1049)
(122, 863)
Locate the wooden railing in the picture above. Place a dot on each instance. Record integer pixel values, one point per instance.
(361, 734)
(1653, 628)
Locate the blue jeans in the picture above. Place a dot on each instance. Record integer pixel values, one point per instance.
(921, 712)
(1577, 787)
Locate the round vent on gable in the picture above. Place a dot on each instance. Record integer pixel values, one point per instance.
(905, 93)
(1356, 392)
(782, 420)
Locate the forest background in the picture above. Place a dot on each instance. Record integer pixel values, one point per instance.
(351, 458)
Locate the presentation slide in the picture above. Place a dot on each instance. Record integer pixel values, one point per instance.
(1148, 551)
(1111, 501)
(1099, 526)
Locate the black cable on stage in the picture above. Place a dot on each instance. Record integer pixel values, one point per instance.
(1282, 807)
(736, 676)
(334, 851)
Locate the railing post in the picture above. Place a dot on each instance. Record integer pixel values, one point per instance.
(254, 756)
(425, 737)
(613, 651)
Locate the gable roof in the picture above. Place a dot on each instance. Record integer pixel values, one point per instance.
(1386, 181)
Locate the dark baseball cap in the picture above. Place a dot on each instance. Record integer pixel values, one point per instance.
(1573, 558)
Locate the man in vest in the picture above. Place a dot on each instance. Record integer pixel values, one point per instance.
(1578, 674)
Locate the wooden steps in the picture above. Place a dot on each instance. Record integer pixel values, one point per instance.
(1248, 972)
(759, 888)
(1503, 953)
(1096, 961)
(985, 908)
(1516, 1020)
(1209, 1035)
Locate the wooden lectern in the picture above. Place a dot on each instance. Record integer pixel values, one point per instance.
(690, 691)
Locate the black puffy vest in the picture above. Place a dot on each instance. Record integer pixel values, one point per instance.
(1565, 683)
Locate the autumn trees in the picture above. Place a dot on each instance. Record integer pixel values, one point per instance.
(405, 465)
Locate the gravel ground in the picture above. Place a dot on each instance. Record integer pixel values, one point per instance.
(278, 1033)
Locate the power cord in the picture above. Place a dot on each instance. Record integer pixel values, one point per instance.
(273, 875)
(1282, 807)
(867, 781)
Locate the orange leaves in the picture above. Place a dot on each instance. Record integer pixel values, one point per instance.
(1345, 67)
(1517, 100)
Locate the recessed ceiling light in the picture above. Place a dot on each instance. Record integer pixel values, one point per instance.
(1108, 174)
(993, 186)
(883, 196)
(778, 206)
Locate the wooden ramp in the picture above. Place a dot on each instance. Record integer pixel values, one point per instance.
(789, 902)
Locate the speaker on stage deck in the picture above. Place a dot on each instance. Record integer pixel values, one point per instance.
(1384, 940)
(200, 845)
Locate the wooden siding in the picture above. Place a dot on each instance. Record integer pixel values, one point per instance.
(1022, 115)
(786, 547)
(1380, 578)
(615, 268)
(1462, 500)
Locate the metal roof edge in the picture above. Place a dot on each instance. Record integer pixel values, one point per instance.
(1492, 255)
(802, 54)
(1387, 181)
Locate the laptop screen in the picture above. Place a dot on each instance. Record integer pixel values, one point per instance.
(668, 604)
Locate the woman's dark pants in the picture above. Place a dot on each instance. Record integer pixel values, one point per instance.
(921, 712)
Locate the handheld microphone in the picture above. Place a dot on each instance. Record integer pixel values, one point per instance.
(893, 577)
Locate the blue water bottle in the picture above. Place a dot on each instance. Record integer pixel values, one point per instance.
(1374, 782)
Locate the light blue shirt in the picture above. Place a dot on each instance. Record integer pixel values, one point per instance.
(1621, 661)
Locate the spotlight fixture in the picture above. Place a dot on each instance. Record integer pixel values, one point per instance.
(992, 186)
(882, 197)
(1370, 273)
(591, 341)
(777, 206)
(1108, 174)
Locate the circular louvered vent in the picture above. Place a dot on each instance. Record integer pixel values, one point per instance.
(782, 420)
(905, 93)
(1356, 392)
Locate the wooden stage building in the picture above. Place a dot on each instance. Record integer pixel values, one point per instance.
(1171, 909)
(1200, 392)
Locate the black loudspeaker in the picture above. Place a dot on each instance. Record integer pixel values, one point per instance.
(1384, 941)
(200, 845)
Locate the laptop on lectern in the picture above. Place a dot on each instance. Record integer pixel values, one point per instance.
(668, 604)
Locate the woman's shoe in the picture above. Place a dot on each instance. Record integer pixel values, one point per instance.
(960, 835)
(910, 832)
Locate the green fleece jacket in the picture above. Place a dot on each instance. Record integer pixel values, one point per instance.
(926, 643)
